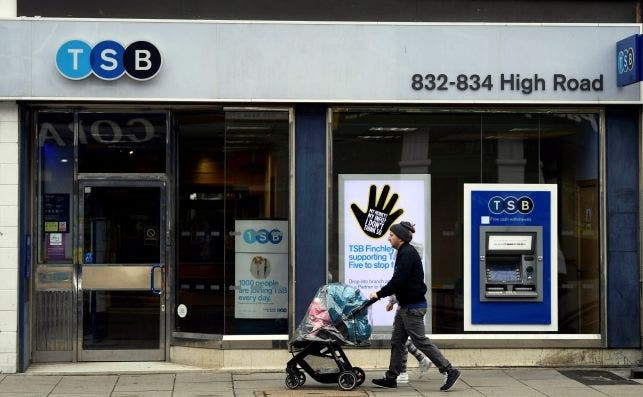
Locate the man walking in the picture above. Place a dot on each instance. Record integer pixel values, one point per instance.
(408, 286)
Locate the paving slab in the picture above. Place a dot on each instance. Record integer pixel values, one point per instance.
(459, 387)
(312, 392)
(621, 390)
(400, 391)
(261, 376)
(198, 377)
(80, 394)
(556, 382)
(488, 378)
(29, 384)
(143, 394)
(626, 373)
(203, 387)
(248, 393)
(509, 391)
(571, 392)
(210, 394)
(24, 394)
(275, 384)
(139, 383)
(457, 393)
(86, 384)
(534, 373)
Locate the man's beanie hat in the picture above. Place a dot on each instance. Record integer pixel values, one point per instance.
(404, 230)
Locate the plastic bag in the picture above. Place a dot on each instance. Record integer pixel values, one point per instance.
(331, 317)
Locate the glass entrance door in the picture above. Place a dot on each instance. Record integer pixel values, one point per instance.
(121, 282)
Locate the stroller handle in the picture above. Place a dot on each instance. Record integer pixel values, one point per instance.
(360, 308)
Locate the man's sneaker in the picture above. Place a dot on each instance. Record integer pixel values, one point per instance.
(386, 382)
(450, 378)
(425, 364)
(403, 378)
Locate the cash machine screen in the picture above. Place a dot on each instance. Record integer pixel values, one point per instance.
(510, 242)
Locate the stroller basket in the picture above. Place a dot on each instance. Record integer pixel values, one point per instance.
(337, 316)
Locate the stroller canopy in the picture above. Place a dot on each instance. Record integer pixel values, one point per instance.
(336, 315)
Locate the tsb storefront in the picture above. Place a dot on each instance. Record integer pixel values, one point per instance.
(184, 188)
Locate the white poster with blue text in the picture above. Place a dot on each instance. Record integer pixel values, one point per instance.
(368, 206)
(261, 269)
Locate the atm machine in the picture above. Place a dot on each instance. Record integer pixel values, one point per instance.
(511, 263)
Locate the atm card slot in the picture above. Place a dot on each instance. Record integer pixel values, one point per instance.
(502, 258)
(495, 290)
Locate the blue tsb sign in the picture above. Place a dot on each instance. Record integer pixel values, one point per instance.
(628, 65)
(108, 60)
(510, 205)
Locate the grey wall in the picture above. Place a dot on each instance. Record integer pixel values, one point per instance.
(343, 10)
(623, 309)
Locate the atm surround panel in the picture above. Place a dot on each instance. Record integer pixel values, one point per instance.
(511, 263)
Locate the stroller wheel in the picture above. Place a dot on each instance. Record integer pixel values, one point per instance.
(347, 380)
(292, 381)
(302, 378)
(360, 374)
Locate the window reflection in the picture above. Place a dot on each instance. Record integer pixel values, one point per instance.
(121, 142)
(470, 147)
(56, 149)
(233, 167)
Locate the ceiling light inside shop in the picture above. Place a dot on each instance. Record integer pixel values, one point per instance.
(523, 129)
(131, 152)
(64, 160)
(249, 128)
(376, 137)
(393, 129)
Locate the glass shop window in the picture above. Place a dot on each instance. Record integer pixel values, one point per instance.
(232, 211)
(121, 142)
(56, 169)
(483, 147)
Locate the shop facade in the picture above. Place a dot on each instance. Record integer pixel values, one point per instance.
(181, 200)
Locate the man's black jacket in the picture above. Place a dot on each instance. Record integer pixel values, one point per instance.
(407, 282)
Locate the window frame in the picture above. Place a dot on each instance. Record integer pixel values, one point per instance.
(476, 340)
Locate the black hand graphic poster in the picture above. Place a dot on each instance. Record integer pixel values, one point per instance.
(368, 206)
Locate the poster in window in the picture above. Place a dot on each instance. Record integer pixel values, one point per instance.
(368, 206)
(261, 269)
(55, 212)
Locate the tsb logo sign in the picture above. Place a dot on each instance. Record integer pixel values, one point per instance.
(263, 236)
(511, 205)
(108, 60)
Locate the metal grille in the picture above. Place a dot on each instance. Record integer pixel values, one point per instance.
(54, 313)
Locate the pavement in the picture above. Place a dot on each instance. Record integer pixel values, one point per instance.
(182, 382)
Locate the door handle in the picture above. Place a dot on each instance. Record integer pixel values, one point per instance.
(153, 288)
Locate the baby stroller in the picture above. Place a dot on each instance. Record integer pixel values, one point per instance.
(337, 316)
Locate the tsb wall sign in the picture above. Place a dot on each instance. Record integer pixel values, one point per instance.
(510, 205)
(108, 60)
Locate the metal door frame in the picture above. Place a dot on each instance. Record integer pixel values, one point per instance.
(134, 181)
